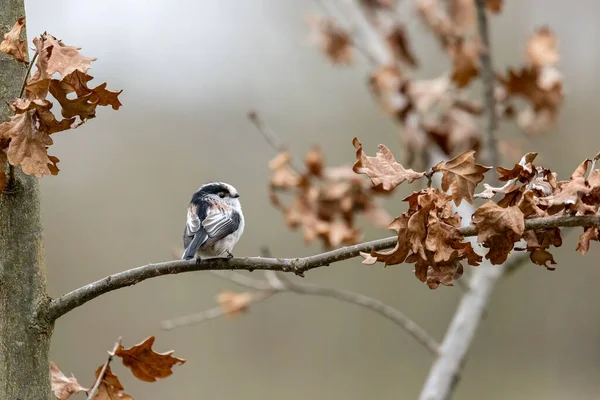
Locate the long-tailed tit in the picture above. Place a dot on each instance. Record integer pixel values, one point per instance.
(214, 222)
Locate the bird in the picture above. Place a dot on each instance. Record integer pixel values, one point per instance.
(214, 223)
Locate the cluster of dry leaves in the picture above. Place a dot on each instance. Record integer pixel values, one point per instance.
(322, 201)
(429, 232)
(439, 111)
(144, 363)
(61, 71)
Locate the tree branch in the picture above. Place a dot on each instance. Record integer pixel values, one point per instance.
(445, 371)
(111, 354)
(65, 303)
(276, 283)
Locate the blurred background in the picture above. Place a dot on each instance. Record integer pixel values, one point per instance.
(190, 71)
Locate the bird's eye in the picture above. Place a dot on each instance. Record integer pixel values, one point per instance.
(222, 194)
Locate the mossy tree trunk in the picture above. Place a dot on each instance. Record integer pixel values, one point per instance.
(24, 342)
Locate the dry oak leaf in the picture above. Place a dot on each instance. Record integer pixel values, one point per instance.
(314, 161)
(498, 228)
(284, 176)
(234, 304)
(384, 171)
(465, 59)
(491, 220)
(145, 363)
(569, 192)
(28, 147)
(83, 106)
(12, 43)
(64, 59)
(542, 48)
(589, 234)
(334, 41)
(398, 42)
(62, 386)
(494, 6)
(77, 82)
(540, 86)
(461, 175)
(44, 118)
(110, 387)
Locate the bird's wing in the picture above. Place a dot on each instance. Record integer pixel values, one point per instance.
(195, 235)
(221, 223)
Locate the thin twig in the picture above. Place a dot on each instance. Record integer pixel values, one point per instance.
(212, 313)
(26, 78)
(270, 137)
(277, 283)
(111, 354)
(67, 302)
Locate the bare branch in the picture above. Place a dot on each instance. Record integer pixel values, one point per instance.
(65, 303)
(278, 283)
(111, 354)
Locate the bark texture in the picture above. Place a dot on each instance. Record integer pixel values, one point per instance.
(24, 342)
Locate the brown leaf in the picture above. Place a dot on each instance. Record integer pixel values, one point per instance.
(145, 363)
(570, 191)
(542, 48)
(498, 228)
(465, 58)
(77, 82)
(456, 132)
(383, 169)
(542, 89)
(283, 174)
(491, 220)
(461, 175)
(234, 304)
(44, 119)
(494, 5)
(63, 59)
(110, 387)
(398, 42)
(542, 257)
(28, 147)
(83, 107)
(62, 386)
(12, 43)
(314, 161)
(334, 41)
(589, 234)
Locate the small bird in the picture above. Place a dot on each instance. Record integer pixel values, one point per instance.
(214, 223)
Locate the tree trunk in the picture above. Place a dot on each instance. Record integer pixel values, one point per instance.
(24, 342)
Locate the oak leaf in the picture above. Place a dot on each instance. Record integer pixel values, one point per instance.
(569, 192)
(590, 233)
(12, 43)
(498, 228)
(333, 40)
(540, 86)
(384, 171)
(28, 147)
(62, 386)
(542, 48)
(398, 42)
(465, 59)
(145, 363)
(83, 106)
(461, 175)
(110, 387)
(64, 59)
(314, 161)
(234, 304)
(283, 174)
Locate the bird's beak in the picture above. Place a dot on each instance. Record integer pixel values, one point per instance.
(235, 196)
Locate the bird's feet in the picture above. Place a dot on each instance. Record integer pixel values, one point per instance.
(229, 255)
